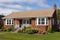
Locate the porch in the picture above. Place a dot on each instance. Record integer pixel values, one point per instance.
(24, 22)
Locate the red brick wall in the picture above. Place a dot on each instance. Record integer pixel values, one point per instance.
(16, 21)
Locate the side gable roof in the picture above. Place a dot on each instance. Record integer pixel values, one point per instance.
(34, 13)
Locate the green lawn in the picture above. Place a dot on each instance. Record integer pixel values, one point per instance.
(20, 36)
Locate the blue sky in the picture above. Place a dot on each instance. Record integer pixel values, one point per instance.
(9, 6)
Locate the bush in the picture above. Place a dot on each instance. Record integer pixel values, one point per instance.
(28, 30)
(50, 30)
(20, 31)
(24, 29)
(32, 31)
(10, 29)
(2, 29)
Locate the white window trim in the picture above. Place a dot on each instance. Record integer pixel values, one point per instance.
(41, 24)
(6, 22)
(45, 21)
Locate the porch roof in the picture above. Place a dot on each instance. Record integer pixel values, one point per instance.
(34, 13)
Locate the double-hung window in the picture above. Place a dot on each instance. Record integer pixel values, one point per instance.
(41, 21)
(9, 21)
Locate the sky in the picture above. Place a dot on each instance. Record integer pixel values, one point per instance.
(9, 6)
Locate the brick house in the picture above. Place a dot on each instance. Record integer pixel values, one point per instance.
(40, 19)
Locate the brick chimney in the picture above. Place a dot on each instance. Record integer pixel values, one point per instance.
(55, 6)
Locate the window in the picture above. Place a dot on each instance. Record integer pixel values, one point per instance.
(41, 21)
(9, 21)
(25, 21)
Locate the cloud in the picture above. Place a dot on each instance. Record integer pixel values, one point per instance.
(42, 3)
(15, 6)
(7, 11)
(28, 8)
(8, 6)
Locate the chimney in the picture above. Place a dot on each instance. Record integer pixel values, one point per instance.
(55, 6)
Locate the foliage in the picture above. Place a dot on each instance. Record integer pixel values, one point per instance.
(58, 14)
(23, 30)
(2, 29)
(10, 29)
(28, 30)
(32, 31)
(50, 30)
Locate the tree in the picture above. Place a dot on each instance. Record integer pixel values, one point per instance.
(58, 14)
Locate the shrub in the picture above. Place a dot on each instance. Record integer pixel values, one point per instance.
(2, 29)
(28, 30)
(10, 29)
(50, 30)
(20, 31)
(24, 29)
(32, 31)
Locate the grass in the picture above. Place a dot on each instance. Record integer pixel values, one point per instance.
(20, 36)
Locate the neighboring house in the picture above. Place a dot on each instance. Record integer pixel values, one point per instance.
(40, 19)
(1, 21)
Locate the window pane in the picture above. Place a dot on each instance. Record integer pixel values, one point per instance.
(46, 21)
(8, 21)
(39, 22)
(28, 21)
(42, 19)
(43, 23)
(24, 21)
